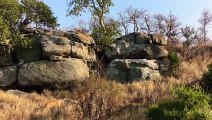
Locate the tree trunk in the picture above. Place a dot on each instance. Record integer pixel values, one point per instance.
(102, 24)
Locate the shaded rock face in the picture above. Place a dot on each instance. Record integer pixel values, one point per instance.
(138, 46)
(83, 52)
(49, 72)
(32, 53)
(128, 70)
(6, 58)
(8, 76)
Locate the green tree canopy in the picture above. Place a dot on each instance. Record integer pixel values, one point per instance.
(34, 11)
(4, 30)
(17, 15)
(97, 8)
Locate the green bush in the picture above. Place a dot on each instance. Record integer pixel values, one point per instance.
(187, 104)
(174, 62)
(207, 79)
(113, 31)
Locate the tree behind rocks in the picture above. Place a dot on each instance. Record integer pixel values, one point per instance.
(19, 15)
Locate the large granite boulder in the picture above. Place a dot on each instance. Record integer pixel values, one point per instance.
(123, 49)
(50, 72)
(128, 70)
(55, 45)
(32, 53)
(80, 37)
(83, 52)
(8, 76)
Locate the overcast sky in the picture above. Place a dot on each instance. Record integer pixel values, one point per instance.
(189, 11)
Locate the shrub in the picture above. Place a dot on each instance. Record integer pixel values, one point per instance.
(174, 62)
(188, 104)
(207, 79)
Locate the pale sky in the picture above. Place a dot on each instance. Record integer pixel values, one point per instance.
(189, 11)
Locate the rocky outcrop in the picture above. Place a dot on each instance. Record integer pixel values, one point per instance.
(53, 57)
(127, 70)
(8, 76)
(122, 49)
(138, 46)
(136, 56)
(49, 72)
(62, 57)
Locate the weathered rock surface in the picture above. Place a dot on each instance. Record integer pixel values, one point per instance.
(158, 39)
(136, 37)
(80, 37)
(55, 45)
(8, 76)
(50, 72)
(122, 49)
(83, 52)
(128, 70)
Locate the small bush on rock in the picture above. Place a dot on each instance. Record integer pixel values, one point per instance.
(187, 104)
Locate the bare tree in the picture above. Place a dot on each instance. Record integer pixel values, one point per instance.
(147, 25)
(172, 26)
(159, 23)
(83, 25)
(135, 16)
(124, 22)
(205, 21)
(191, 44)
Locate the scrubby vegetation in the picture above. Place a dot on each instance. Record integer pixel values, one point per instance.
(187, 104)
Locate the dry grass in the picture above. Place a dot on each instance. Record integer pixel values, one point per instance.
(32, 107)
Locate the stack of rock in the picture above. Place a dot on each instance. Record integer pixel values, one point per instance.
(52, 58)
(136, 56)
